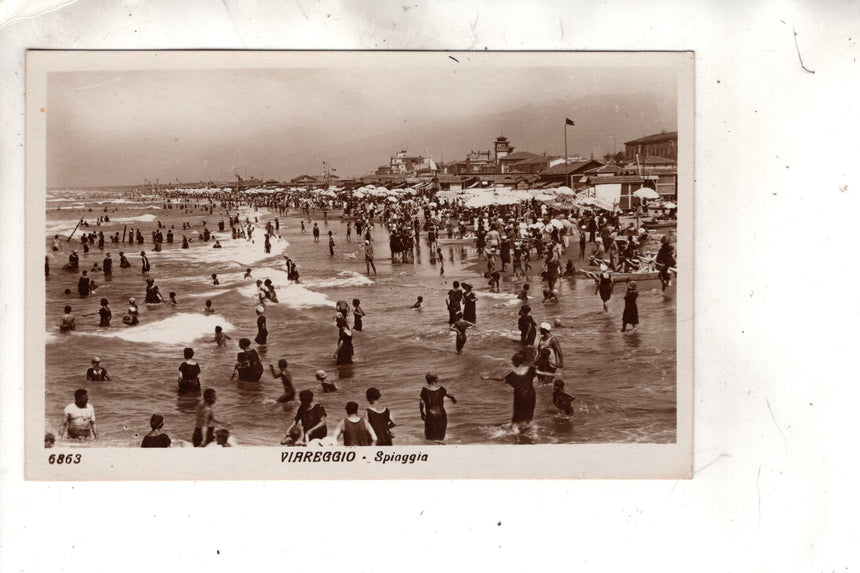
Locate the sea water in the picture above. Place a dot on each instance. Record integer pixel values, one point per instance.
(624, 384)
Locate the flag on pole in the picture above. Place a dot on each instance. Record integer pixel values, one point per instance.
(568, 121)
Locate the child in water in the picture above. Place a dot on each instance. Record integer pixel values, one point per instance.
(293, 437)
(357, 314)
(561, 399)
(172, 298)
(460, 326)
(418, 302)
(286, 379)
(205, 419)
(208, 308)
(215, 279)
(524, 293)
(220, 338)
(495, 279)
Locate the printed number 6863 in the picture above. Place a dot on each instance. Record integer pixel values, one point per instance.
(64, 459)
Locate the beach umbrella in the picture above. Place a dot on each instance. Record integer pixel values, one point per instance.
(646, 193)
(669, 205)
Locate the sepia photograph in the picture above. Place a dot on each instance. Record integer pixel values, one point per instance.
(359, 264)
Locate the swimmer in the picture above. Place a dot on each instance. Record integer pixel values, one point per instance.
(208, 308)
(550, 295)
(96, 373)
(189, 373)
(286, 379)
(379, 417)
(357, 313)
(321, 376)
(495, 280)
(215, 279)
(104, 313)
(220, 338)
(79, 418)
(222, 438)
(68, 321)
(205, 419)
(460, 326)
(293, 437)
(561, 399)
(131, 318)
(604, 286)
(355, 429)
(247, 274)
(524, 293)
(418, 302)
(270, 290)
(262, 331)
(172, 298)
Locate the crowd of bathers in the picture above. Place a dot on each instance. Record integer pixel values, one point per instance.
(505, 237)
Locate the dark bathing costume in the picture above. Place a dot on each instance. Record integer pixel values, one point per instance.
(435, 416)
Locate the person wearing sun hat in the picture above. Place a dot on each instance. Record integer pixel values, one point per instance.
(322, 378)
(156, 438)
(605, 286)
(262, 331)
(368, 256)
(549, 354)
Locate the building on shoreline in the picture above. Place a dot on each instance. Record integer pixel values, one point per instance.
(659, 144)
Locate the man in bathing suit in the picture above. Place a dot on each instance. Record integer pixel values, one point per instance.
(79, 418)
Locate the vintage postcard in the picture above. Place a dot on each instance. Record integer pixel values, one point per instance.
(359, 264)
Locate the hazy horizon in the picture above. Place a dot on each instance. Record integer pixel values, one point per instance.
(116, 128)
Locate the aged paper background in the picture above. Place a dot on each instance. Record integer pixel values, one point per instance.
(776, 196)
(469, 461)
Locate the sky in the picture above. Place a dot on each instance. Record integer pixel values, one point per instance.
(123, 126)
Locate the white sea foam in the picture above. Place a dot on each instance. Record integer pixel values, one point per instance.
(181, 328)
(343, 279)
(239, 252)
(61, 227)
(506, 298)
(289, 294)
(148, 218)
